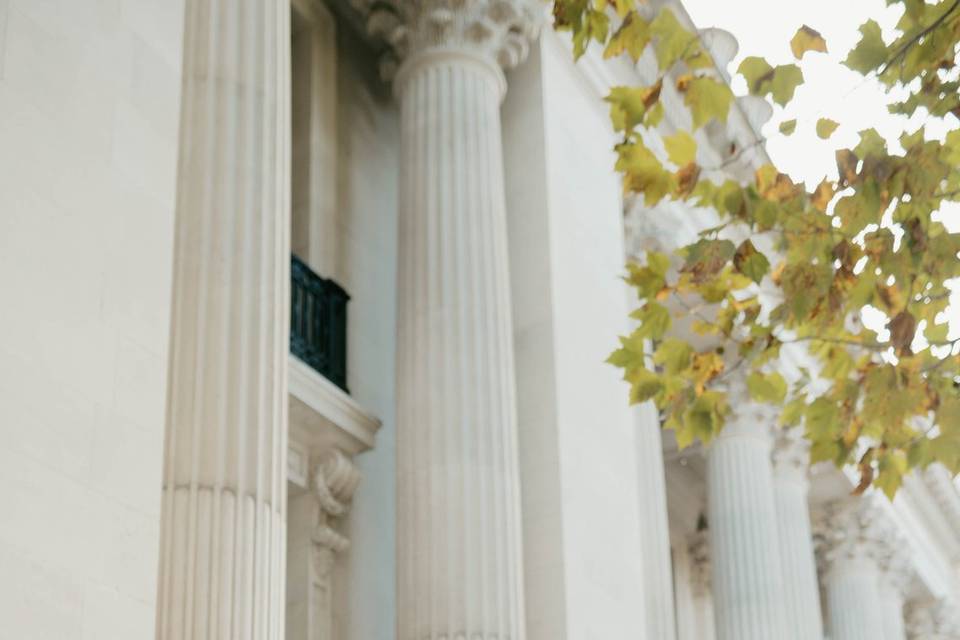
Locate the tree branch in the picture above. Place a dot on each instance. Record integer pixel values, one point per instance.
(916, 38)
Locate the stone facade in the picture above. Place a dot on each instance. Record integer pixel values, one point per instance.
(449, 167)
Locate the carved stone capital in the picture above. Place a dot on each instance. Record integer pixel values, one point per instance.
(498, 31)
(791, 453)
(852, 530)
(933, 620)
(896, 566)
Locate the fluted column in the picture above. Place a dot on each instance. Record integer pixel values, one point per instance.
(747, 577)
(800, 587)
(459, 547)
(851, 546)
(224, 488)
(891, 604)
(897, 573)
(655, 533)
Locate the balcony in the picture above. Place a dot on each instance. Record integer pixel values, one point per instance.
(318, 322)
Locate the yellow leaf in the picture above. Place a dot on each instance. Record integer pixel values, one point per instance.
(707, 98)
(787, 127)
(632, 37)
(687, 178)
(681, 148)
(807, 39)
(822, 196)
(826, 127)
(706, 367)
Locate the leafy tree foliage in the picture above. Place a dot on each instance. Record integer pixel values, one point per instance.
(872, 238)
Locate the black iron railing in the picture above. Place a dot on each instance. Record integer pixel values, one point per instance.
(318, 322)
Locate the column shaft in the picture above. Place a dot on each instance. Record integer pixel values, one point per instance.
(891, 605)
(797, 557)
(747, 577)
(459, 565)
(854, 600)
(224, 491)
(655, 533)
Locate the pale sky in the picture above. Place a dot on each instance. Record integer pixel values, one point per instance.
(764, 28)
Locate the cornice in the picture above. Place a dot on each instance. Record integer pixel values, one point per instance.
(322, 416)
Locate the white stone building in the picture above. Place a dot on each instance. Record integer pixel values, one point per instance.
(483, 477)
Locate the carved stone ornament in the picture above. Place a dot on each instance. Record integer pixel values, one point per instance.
(335, 478)
(499, 30)
(853, 529)
(933, 620)
(791, 452)
(700, 568)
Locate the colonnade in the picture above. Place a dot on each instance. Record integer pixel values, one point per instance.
(460, 565)
(770, 563)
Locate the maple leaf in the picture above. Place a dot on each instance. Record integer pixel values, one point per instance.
(807, 39)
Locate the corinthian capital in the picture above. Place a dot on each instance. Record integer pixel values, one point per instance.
(936, 620)
(497, 30)
(853, 530)
(791, 454)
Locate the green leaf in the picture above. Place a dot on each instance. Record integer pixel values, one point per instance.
(892, 467)
(826, 127)
(643, 173)
(870, 52)
(673, 355)
(762, 79)
(750, 262)
(707, 99)
(786, 79)
(632, 37)
(807, 39)
(628, 106)
(644, 385)
(793, 412)
(681, 148)
(758, 73)
(770, 388)
(821, 420)
(823, 450)
(704, 418)
(674, 42)
(787, 127)
(919, 455)
(706, 257)
(654, 320)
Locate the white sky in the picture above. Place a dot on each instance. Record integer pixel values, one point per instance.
(764, 28)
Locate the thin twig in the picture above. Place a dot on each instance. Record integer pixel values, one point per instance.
(915, 39)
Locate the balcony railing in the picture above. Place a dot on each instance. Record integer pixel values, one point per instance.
(318, 322)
